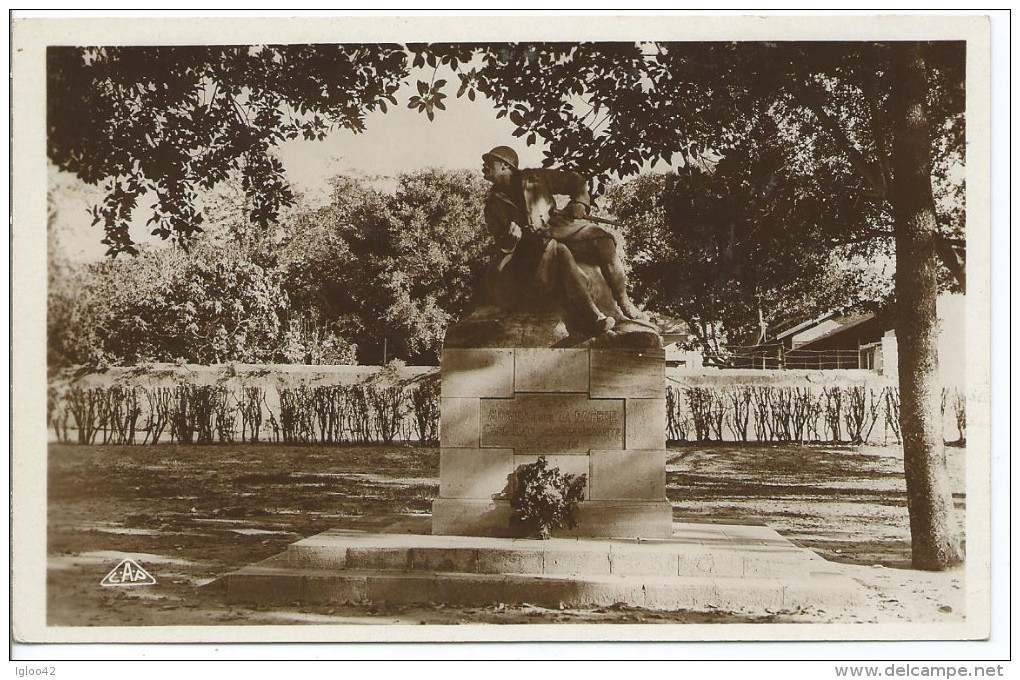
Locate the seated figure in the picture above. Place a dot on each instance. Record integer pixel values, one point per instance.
(542, 248)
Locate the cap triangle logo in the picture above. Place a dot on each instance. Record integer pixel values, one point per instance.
(128, 573)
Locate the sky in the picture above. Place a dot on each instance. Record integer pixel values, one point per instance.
(400, 140)
(404, 139)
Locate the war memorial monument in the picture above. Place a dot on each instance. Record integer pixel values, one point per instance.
(555, 361)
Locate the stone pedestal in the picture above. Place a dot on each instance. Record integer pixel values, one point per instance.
(701, 566)
(596, 411)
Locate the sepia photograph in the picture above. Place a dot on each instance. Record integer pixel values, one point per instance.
(430, 330)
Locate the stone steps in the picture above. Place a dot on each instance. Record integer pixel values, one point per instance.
(269, 584)
(753, 557)
(724, 566)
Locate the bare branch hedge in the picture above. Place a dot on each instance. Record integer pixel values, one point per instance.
(842, 414)
(206, 414)
(384, 410)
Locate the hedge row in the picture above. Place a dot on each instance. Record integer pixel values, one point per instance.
(854, 414)
(365, 413)
(205, 414)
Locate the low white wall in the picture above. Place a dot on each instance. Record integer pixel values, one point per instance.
(775, 378)
(262, 375)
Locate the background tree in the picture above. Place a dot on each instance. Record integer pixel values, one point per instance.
(391, 269)
(166, 305)
(221, 300)
(327, 285)
(708, 248)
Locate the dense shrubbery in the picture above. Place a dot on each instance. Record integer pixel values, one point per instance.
(386, 409)
(389, 269)
(207, 306)
(331, 285)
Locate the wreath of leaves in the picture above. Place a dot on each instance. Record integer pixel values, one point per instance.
(545, 499)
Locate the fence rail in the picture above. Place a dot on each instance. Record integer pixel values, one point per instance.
(767, 357)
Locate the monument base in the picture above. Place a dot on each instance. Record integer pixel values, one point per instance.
(595, 518)
(600, 413)
(719, 566)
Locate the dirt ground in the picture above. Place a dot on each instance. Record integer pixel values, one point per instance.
(190, 514)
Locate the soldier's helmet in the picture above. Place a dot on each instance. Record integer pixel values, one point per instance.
(505, 154)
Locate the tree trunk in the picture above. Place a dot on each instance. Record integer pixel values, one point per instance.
(935, 543)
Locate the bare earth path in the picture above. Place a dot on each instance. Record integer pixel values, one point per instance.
(190, 514)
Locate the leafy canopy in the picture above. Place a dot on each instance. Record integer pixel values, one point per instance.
(613, 109)
(169, 122)
(172, 121)
(786, 152)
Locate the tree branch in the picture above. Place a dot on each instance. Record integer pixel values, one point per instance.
(237, 107)
(814, 100)
(870, 172)
(212, 95)
(869, 86)
(946, 250)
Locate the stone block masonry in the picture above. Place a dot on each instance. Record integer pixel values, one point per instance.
(474, 473)
(478, 373)
(598, 412)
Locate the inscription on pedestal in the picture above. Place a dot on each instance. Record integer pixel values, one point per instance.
(558, 423)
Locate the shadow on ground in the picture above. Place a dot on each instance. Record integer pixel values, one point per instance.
(190, 514)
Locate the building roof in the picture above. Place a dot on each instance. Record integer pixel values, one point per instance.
(804, 325)
(846, 323)
(843, 317)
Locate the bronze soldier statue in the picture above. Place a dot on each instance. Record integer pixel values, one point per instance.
(539, 243)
